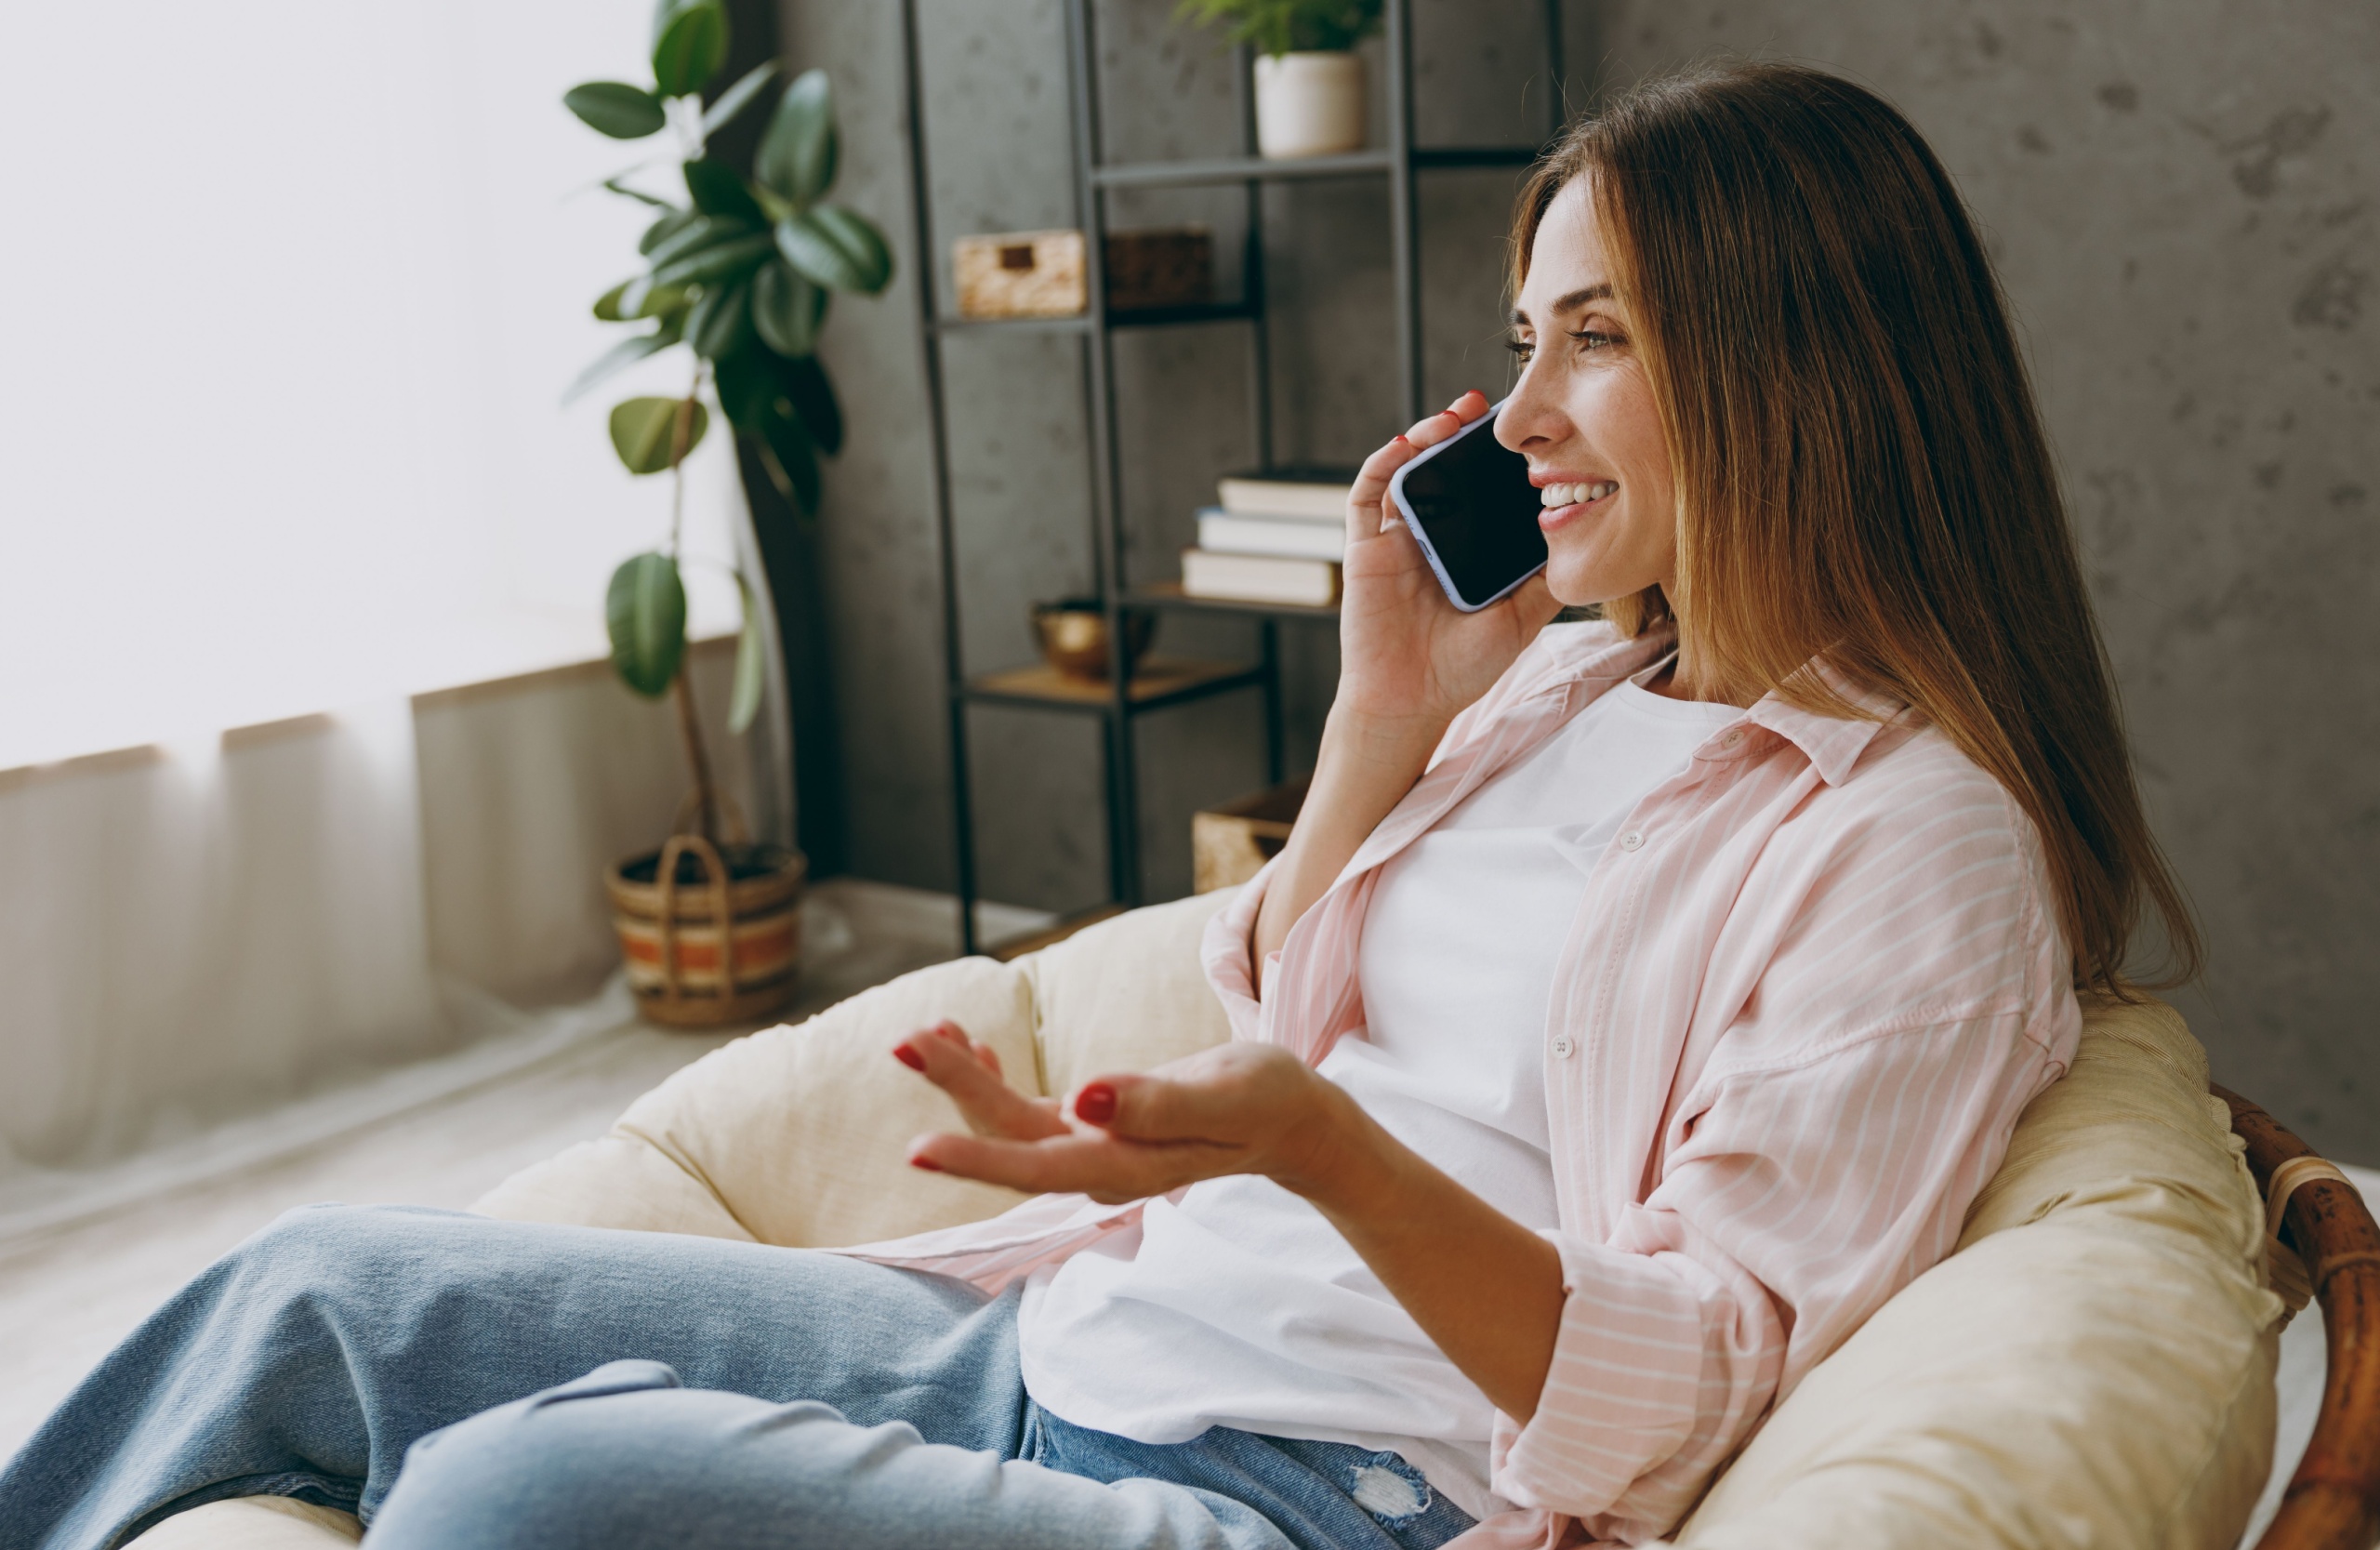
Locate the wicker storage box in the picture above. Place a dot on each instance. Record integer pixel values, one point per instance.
(1230, 843)
(1019, 274)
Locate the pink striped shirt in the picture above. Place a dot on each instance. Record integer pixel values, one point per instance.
(1814, 981)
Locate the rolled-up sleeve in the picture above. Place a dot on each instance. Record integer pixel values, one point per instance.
(1659, 1356)
(1653, 1348)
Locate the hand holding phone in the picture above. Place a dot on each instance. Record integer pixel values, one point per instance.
(1472, 508)
(1408, 652)
(1420, 640)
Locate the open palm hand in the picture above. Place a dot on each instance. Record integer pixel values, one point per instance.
(1236, 1109)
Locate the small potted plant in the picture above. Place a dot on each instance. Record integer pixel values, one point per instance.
(740, 273)
(1309, 81)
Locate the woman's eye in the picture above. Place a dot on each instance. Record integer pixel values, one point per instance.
(1523, 350)
(1592, 340)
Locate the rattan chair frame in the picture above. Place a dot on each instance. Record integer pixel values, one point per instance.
(2332, 1502)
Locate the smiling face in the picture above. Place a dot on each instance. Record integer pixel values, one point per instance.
(1583, 416)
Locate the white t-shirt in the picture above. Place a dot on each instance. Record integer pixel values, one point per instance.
(1241, 1305)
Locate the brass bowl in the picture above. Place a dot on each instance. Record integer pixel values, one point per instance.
(1073, 636)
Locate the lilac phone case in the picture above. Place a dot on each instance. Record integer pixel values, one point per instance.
(1484, 424)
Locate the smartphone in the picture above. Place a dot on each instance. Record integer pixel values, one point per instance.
(1474, 511)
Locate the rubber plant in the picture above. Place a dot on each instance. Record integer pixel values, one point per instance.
(740, 273)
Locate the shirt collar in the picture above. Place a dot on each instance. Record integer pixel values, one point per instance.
(1832, 744)
(1591, 657)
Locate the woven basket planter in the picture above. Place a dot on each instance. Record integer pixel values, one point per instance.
(721, 944)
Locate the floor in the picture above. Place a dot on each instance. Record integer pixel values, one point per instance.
(72, 1286)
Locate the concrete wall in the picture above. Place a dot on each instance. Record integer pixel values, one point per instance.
(2180, 198)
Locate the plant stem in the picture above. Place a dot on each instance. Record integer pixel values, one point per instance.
(679, 435)
(706, 794)
(689, 723)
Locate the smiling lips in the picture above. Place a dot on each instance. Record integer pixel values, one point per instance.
(1554, 496)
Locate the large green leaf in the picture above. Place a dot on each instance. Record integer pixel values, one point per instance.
(644, 431)
(664, 229)
(719, 318)
(836, 249)
(791, 461)
(639, 298)
(697, 231)
(753, 393)
(621, 356)
(793, 467)
(787, 309)
(689, 44)
(616, 109)
(719, 192)
(748, 390)
(751, 664)
(796, 155)
(804, 383)
(758, 386)
(645, 612)
(719, 261)
(735, 99)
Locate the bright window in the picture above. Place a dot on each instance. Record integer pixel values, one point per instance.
(295, 287)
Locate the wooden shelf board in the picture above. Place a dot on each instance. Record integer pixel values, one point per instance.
(1159, 678)
(1068, 323)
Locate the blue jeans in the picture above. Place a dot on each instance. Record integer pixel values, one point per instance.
(461, 1383)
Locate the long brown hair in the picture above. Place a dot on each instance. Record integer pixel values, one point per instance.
(1862, 471)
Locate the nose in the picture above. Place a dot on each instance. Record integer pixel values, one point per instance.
(1532, 413)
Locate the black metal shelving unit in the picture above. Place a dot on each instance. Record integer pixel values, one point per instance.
(1160, 681)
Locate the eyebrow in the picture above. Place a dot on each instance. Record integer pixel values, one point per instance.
(1574, 300)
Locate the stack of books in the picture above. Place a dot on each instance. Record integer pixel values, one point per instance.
(1277, 536)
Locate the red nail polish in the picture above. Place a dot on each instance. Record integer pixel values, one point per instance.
(908, 1057)
(929, 1164)
(1096, 1104)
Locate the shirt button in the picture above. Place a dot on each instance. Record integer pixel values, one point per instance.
(1562, 1047)
(1732, 738)
(1632, 840)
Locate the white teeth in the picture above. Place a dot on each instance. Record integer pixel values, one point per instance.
(1553, 496)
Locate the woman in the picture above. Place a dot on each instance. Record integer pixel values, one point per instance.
(1636, 1006)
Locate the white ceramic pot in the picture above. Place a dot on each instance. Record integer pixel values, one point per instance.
(1309, 104)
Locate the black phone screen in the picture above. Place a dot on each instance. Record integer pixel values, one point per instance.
(1476, 515)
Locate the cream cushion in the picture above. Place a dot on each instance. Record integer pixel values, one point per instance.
(255, 1523)
(2093, 1366)
(799, 1135)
